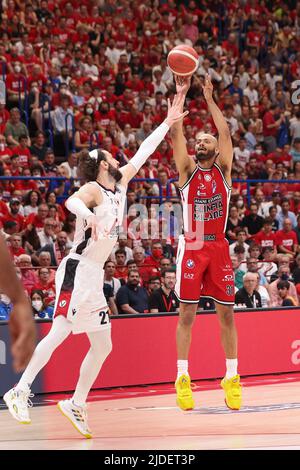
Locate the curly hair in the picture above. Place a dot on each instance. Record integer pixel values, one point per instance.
(89, 167)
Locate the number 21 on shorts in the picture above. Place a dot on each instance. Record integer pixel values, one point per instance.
(104, 316)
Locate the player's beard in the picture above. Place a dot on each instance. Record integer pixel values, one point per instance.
(202, 156)
(115, 173)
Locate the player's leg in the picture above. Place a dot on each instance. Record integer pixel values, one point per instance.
(190, 268)
(187, 314)
(231, 382)
(17, 399)
(219, 284)
(75, 408)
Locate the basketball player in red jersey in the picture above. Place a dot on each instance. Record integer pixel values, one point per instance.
(203, 264)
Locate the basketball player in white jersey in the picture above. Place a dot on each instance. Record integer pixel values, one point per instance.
(80, 305)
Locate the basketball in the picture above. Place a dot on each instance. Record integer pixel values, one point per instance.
(183, 60)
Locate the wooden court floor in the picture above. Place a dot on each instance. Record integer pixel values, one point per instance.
(269, 419)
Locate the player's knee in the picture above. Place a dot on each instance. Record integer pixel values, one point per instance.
(102, 346)
(226, 317)
(187, 315)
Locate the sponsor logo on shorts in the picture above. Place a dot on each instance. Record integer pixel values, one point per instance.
(229, 290)
(188, 276)
(190, 264)
(73, 311)
(62, 303)
(228, 277)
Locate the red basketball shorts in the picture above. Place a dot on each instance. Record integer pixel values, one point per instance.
(205, 271)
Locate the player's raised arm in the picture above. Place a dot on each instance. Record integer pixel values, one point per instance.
(225, 156)
(175, 114)
(184, 163)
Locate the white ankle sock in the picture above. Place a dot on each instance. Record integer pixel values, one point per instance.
(23, 386)
(231, 368)
(182, 367)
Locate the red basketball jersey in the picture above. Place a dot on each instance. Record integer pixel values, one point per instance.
(205, 202)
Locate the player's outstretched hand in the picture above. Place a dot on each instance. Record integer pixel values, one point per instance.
(182, 84)
(93, 224)
(175, 113)
(22, 333)
(208, 88)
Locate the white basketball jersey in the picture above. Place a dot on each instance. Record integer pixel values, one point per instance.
(110, 215)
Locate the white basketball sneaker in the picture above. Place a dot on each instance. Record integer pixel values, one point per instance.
(77, 415)
(18, 403)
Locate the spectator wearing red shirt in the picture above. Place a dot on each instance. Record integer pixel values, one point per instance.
(286, 239)
(14, 215)
(253, 37)
(5, 151)
(37, 76)
(194, 120)
(26, 185)
(134, 117)
(105, 115)
(270, 127)
(127, 99)
(23, 151)
(30, 59)
(45, 284)
(107, 145)
(28, 275)
(15, 85)
(4, 117)
(230, 45)
(121, 268)
(145, 270)
(156, 256)
(266, 237)
(107, 95)
(280, 156)
(120, 114)
(15, 246)
(38, 220)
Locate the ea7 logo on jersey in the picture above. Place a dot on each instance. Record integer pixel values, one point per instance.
(228, 277)
(190, 264)
(188, 276)
(62, 303)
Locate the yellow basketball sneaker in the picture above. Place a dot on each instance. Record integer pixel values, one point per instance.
(184, 393)
(233, 392)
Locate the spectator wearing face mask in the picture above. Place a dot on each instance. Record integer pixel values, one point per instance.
(156, 255)
(39, 307)
(15, 84)
(283, 275)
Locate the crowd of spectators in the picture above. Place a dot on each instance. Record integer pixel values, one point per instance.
(94, 74)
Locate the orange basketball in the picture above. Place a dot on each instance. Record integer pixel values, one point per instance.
(183, 60)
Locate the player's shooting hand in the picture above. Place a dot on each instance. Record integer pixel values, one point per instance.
(175, 113)
(207, 88)
(93, 224)
(182, 84)
(23, 334)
